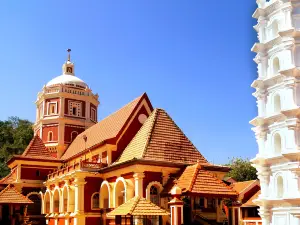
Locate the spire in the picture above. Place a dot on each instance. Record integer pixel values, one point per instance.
(68, 66)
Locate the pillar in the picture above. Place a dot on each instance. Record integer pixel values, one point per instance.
(176, 206)
(138, 184)
(79, 218)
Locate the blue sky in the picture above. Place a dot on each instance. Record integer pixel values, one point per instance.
(191, 57)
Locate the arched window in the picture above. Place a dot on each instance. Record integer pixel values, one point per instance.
(277, 143)
(95, 200)
(34, 209)
(276, 65)
(279, 187)
(73, 135)
(277, 104)
(50, 136)
(275, 28)
(56, 202)
(154, 195)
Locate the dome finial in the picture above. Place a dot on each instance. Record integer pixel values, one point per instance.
(69, 54)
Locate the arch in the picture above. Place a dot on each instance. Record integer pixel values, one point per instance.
(277, 143)
(36, 208)
(149, 192)
(50, 136)
(277, 103)
(74, 134)
(56, 201)
(120, 192)
(276, 65)
(279, 186)
(105, 195)
(65, 197)
(95, 201)
(47, 199)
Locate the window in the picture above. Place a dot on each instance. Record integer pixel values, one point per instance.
(154, 195)
(279, 187)
(74, 135)
(37, 173)
(93, 114)
(50, 136)
(276, 65)
(95, 201)
(199, 203)
(52, 106)
(277, 143)
(211, 204)
(75, 108)
(277, 104)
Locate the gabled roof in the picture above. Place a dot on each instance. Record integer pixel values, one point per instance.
(197, 180)
(106, 130)
(37, 149)
(240, 187)
(160, 139)
(250, 202)
(10, 195)
(10, 178)
(138, 206)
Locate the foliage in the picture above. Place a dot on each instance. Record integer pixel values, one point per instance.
(15, 135)
(241, 170)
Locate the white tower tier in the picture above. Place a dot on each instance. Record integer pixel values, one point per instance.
(277, 127)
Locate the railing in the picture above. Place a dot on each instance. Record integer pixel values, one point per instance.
(83, 165)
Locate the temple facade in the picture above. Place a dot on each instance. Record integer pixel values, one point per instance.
(80, 171)
(277, 123)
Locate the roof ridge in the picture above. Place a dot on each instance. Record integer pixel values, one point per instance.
(155, 112)
(135, 202)
(250, 183)
(29, 145)
(194, 176)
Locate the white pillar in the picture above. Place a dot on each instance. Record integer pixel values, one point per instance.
(79, 218)
(138, 184)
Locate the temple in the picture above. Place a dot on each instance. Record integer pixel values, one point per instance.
(135, 166)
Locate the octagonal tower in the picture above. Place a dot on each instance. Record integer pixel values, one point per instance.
(65, 107)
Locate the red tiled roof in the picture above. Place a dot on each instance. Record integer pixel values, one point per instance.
(160, 139)
(239, 187)
(10, 195)
(37, 149)
(250, 202)
(10, 178)
(197, 180)
(107, 129)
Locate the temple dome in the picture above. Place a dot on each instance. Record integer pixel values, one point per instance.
(67, 79)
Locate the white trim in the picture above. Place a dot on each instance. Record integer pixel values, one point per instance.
(157, 185)
(120, 179)
(48, 108)
(108, 186)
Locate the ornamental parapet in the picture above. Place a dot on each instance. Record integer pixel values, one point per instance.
(80, 166)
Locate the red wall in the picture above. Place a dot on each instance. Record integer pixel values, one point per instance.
(129, 134)
(92, 185)
(69, 130)
(51, 222)
(30, 173)
(61, 221)
(92, 220)
(54, 129)
(150, 177)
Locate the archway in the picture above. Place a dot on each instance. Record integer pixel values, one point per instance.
(47, 202)
(65, 199)
(104, 195)
(34, 209)
(120, 192)
(56, 201)
(277, 143)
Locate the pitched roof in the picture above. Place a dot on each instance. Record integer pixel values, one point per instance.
(107, 129)
(10, 178)
(160, 139)
(195, 179)
(239, 187)
(138, 206)
(10, 195)
(250, 202)
(37, 149)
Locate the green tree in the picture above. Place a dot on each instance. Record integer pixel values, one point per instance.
(241, 170)
(15, 135)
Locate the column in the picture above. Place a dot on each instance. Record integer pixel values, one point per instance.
(79, 218)
(62, 107)
(265, 215)
(138, 184)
